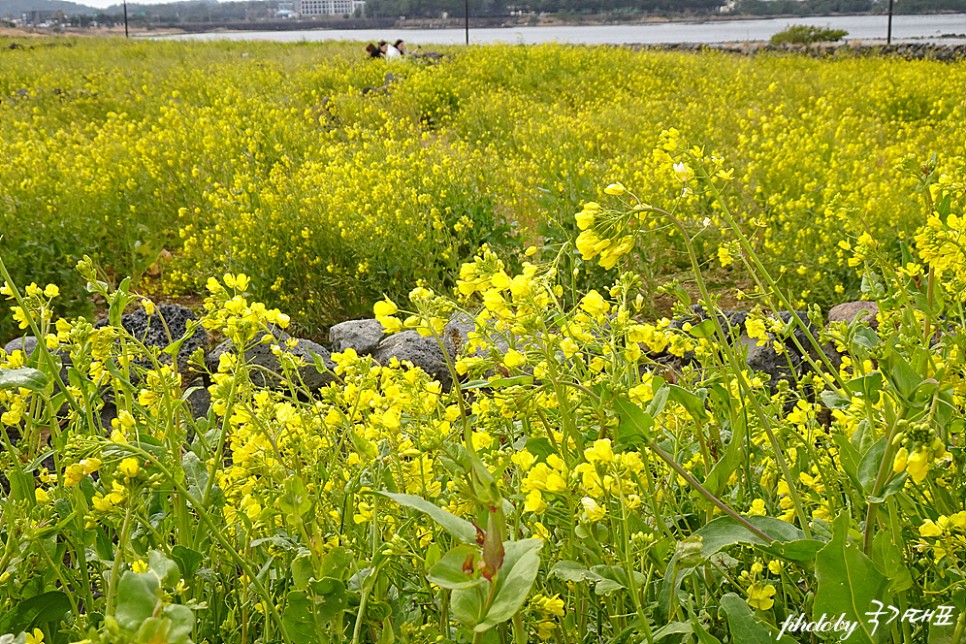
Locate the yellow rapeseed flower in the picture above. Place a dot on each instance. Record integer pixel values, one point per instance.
(129, 467)
(761, 596)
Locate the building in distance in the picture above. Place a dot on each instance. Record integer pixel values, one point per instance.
(306, 8)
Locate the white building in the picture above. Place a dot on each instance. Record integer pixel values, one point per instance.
(329, 7)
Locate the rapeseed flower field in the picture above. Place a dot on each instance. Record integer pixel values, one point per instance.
(287, 161)
(599, 471)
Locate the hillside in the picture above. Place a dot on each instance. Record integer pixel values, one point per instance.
(13, 8)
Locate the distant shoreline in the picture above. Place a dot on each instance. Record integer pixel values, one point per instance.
(502, 22)
(935, 36)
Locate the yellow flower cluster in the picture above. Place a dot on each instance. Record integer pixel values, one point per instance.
(920, 459)
(940, 245)
(293, 171)
(947, 535)
(594, 240)
(546, 609)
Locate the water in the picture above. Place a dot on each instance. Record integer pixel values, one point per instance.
(867, 28)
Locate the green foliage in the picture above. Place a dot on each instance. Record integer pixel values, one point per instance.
(745, 627)
(25, 378)
(811, 7)
(40, 610)
(807, 35)
(848, 582)
(459, 528)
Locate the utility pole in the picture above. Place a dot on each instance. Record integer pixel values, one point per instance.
(466, 13)
(889, 32)
(125, 19)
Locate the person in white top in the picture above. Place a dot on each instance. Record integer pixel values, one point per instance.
(395, 50)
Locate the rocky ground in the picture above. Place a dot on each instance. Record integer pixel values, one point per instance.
(367, 337)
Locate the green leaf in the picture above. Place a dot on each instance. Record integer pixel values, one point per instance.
(336, 563)
(725, 531)
(166, 570)
(865, 337)
(497, 383)
(942, 627)
(799, 551)
(137, 598)
(835, 400)
(103, 545)
(744, 626)
(868, 386)
(674, 575)
(39, 609)
(693, 402)
(433, 555)
(894, 486)
(188, 560)
(659, 401)
(450, 571)
(635, 424)
(704, 329)
(870, 463)
(467, 604)
(944, 208)
(618, 574)
(21, 485)
(295, 497)
(848, 457)
(521, 563)
(181, 621)
(902, 376)
(704, 637)
(540, 447)
(862, 439)
(608, 587)
(299, 619)
(674, 628)
(328, 597)
(459, 528)
(153, 629)
(573, 572)
(718, 477)
(378, 611)
(24, 378)
(196, 474)
(848, 581)
(283, 543)
(302, 571)
(888, 560)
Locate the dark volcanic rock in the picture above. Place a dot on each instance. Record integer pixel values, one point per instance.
(422, 352)
(765, 359)
(457, 333)
(168, 324)
(27, 344)
(199, 399)
(363, 336)
(785, 365)
(268, 368)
